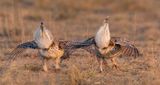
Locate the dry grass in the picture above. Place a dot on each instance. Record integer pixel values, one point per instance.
(136, 20)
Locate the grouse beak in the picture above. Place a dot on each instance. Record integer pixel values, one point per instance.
(106, 19)
(42, 26)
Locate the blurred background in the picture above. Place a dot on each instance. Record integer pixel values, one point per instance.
(136, 20)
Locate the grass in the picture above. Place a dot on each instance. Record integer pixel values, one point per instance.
(136, 20)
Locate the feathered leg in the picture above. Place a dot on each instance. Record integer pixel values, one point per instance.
(57, 64)
(114, 63)
(44, 61)
(101, 62)
(44, 64)
(101, 65)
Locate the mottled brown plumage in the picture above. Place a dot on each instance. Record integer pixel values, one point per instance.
(116, 48)
(116, 45)
(47, 47)
(56, 51)
(106, 47)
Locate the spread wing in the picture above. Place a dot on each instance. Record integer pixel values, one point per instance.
(69, 47)
(118, 46)
(124, 47)
(65, 45)
(88, 45)
(21, 48)
(85, 43)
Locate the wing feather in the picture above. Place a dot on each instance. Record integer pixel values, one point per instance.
(70, 46)
(127, 48)
(87, 44)
(121, 46)
(21, 48)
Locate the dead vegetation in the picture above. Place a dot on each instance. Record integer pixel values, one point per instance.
(136, 20)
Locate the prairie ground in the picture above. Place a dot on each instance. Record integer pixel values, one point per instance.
(135, 20)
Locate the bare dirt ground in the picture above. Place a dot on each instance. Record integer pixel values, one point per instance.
(136, 20)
